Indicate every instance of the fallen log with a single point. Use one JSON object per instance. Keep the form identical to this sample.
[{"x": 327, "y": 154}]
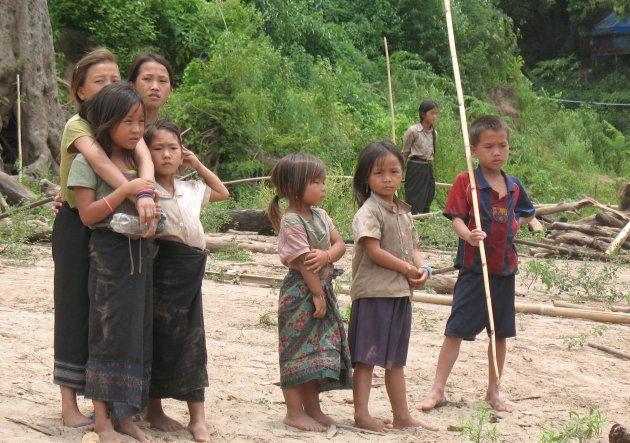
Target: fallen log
[
  {"x": 580, "y": 239},
  {"x": 610, "y": 350},
  {"x": 214, "y": 244},
  {"x": 610, "y": 317},
  {"x": 587, "y": 229},
  {"x": 29, "y": 206},
  {"x": 570, "y": 252},
  {"x": 606, "y": 219},
  {"x": 620, "y": 309},
  {"x": 535, "y": 226},
  {"x": 624, "y": 217},
  {"x": 255, "y": 220},
  {"x": 16, "y": 193},
  {"x": 562, "y": 207},
  {"x": 618, "y": 434},
  {"x": 624, "y": 198},
  {"x": 566, "y": 304}
]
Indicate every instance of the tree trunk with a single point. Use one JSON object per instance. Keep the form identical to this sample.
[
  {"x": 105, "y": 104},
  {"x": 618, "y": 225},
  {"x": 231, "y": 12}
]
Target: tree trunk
[{"x": 26, "y": 47}]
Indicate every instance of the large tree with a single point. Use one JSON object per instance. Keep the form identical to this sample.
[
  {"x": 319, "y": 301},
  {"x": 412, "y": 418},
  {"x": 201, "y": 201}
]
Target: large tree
[{"x": 26, "y": 47}]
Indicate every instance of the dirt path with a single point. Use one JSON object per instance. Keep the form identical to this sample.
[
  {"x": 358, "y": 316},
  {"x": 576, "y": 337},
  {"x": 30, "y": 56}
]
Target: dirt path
[{"x": 543, "y": 379}]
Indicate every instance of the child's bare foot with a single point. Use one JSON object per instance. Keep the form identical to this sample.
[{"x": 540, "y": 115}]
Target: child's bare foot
[
  {"x": 371, "y": 423},
  {"x": 303, "y": 422},
  {"x": 497, "y": 403},
  {"x": 75, "y": 419},
  {"x": 199, "y": 430},
  {"x": 127, "y": 426},
  {"x": 159, "y": 420},
  {"x": 410, "y": 422},
  {"x": 322, "y": 418},
  {"x": 432, "y": 400},
  {"x": 141, "y": 423},
  {"x": 111, "y": 436}
]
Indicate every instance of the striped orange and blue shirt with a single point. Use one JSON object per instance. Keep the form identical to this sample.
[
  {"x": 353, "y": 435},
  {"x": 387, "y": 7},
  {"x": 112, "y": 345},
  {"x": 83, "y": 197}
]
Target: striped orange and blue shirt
[{"x": 499, "y": 220}]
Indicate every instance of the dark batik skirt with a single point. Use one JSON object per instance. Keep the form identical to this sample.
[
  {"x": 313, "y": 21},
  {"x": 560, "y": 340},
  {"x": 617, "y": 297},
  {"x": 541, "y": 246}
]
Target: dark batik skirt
[
  {"x": 179, "y": 340},
  {"x": 419, "y": 186},
  {"x": 70, "y": 242},
  {"x": 379, "y": 331},
  {"x": 310, "y": 348},
  {"x": 121, "y": 313}
]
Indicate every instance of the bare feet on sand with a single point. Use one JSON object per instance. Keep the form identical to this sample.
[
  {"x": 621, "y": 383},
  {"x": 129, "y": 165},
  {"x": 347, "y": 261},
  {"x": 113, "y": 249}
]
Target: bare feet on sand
[
  {"x": 372, "y": 424},
  {"x": 159, "y": 420},
  {"x": 303, "y": 422},
  {"x": 111, "y": 436},
  {"x": 322, "y": 418},
  {"x": 497, "y": 403},
  {"x": 411, "y": 422},
  {"x": 127, "y": 426},
  {"x": 431, "y": 401},
  {"x": 199, "y": 430}
]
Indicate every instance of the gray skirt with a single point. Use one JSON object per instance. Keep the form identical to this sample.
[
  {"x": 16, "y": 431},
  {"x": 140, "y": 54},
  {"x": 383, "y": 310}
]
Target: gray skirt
[{"x": 379, "y": 331}]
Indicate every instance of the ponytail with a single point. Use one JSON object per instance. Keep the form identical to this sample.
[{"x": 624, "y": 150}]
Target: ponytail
[{"x": 274, "y": 212}]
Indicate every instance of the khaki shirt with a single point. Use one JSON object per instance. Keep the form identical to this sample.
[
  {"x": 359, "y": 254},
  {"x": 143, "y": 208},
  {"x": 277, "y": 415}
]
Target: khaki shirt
[
  {"x": 75, "y": 128},
  {"x": 183, "y": 211},
  {"x": 417, "y": 142},
  {"x": 393, "y": 226}
]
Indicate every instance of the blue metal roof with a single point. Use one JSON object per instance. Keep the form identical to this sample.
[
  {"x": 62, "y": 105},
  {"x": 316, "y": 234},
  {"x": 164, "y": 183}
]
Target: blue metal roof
[{"x": 612, "y": 25}]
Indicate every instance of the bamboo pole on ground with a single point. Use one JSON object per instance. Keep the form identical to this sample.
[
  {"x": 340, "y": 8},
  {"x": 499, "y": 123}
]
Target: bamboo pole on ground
[
  {"x": 19, "y": 128},
  {"x": 618, "y": 241},
  {"x": 391, "y": 96},
  {"x": 553, "y": 311},
  {"x": 473, "y": 184}
]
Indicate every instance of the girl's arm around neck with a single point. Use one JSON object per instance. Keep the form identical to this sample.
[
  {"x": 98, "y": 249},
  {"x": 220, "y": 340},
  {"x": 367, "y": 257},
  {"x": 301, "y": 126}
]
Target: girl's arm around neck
[
  {"x": 99, "y": 161},
  {"x": 387, "y": 260},
  {"x": 142, "y": 156},
  {"x": 219, "y": 191},
  {"x": 93, "y": 211}
]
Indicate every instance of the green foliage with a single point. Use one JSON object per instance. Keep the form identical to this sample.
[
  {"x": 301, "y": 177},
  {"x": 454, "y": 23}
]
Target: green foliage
[
  {"x": 345, "y": 315},
  {"x": 17, "y": 231},
  {"x": 576, "y": 428},
  {"x": 552, "y": 69},
  {"x": 267, "y": 320},
  {"x": 579, "y": 281},
  {"x": 477, "y": 427},
  {"x": 436, "y": 231},
  {"x": 580, "y": 340}
]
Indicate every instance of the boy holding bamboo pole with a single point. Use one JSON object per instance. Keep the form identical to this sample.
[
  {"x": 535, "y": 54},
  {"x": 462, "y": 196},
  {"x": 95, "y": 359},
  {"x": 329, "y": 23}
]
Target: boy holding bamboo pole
[{"x": 504, "y": 206}]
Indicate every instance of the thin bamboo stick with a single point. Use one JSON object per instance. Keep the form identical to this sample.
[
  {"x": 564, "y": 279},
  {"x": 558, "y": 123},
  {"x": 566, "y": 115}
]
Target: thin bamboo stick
[
  {"x": 473, "y": 184},
  {"x": 391, "y": 97},
  {"x": 19, "y": 128}
]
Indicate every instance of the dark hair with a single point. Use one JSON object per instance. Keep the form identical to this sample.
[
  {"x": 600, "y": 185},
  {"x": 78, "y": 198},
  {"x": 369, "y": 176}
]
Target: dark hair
[
  {"x": 161, "y": 124},
  {"x": 141, "y": 59},
  {"x": 290, "y": 176},
  {"x": 487, "y": 123},
  {"x": 108, "y": 108},
  {"x": 368, "y": 157},
  {"x": 79, "y": 73},
  {"x": 426, "y": 106}
]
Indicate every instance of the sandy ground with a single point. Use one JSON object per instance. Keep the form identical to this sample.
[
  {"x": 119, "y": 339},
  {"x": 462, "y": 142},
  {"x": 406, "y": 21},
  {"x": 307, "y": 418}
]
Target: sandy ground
[{"x": 543, "y": 380}]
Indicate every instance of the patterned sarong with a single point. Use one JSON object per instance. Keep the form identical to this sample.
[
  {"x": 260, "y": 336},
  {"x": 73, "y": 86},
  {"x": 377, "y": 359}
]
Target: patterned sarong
[{"x": 311, "y": 349}]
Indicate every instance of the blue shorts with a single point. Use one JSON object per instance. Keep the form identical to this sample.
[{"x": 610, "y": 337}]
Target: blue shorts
[{"x": 469, "y": 314}]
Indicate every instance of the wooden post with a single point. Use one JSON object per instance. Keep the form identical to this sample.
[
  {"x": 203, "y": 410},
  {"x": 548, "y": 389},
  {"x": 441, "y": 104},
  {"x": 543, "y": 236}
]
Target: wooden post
[
  {"x": 391, "y": 97},
  {"x": 19, "y": 128},
  {"x": 473, "y": 183}
]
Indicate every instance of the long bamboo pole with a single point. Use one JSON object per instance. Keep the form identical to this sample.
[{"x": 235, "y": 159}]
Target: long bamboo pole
[
  {"x": 391, "y": 96},
  {"x": 19, "y": 127},
  {"x": 473, "y": 183}
]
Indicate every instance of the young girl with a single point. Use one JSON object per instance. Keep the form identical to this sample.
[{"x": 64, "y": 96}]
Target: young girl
[
  {"x": 386, "y": 265},
  {"x": 152, "y": 76},
  {"x": 119, "y": 285},
  {"x": 419, "y": 148},
  {"x": 313, "y": 348},
  {"x": 179, "y": 345},
  {"x": 70, "y": 237}
]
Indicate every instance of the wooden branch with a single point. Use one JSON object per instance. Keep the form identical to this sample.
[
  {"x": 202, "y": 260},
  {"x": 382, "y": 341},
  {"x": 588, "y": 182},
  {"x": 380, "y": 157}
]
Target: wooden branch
[
  {"x": 29, "y": 206},
  {"x": 569, "y": 252},
  {"x": 566, "y": 304},
  {"x": 391, "y": 96},
  {"x": 14, "y": 191},
  {"x": 587, "y": 229},
  {"x": 580, "y": 239},
  {"x": 427, "y": 215},
  {"x": 30, "y": 426},
  {"x": 620, "y": 309},
  {"x": 606, "y": 219},
  {"x": 610, "y": 317},
  {"x": 610, "y": 350},
  {"x": 562, "y": 207},
  {"x": 619, "y": 240},
  {"x": 597, "y": 204},
  {"x": 535, "y": 226}
]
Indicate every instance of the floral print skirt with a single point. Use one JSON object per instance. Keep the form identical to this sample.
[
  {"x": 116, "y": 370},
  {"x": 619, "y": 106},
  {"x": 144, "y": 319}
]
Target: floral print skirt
[{"x": 311, "y": 348}]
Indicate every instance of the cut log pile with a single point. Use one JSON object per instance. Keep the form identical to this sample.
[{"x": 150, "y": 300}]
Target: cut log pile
[{"x": 598, "y": 236}]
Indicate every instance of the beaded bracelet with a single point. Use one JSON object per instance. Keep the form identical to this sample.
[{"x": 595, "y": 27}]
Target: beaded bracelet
[
  {"x": 429, "y": 270},
  {"x": 108, "y": 205}
]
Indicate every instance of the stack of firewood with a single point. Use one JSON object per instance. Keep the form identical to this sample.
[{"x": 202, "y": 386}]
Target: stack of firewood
[{"x": 597, "y": 236}]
